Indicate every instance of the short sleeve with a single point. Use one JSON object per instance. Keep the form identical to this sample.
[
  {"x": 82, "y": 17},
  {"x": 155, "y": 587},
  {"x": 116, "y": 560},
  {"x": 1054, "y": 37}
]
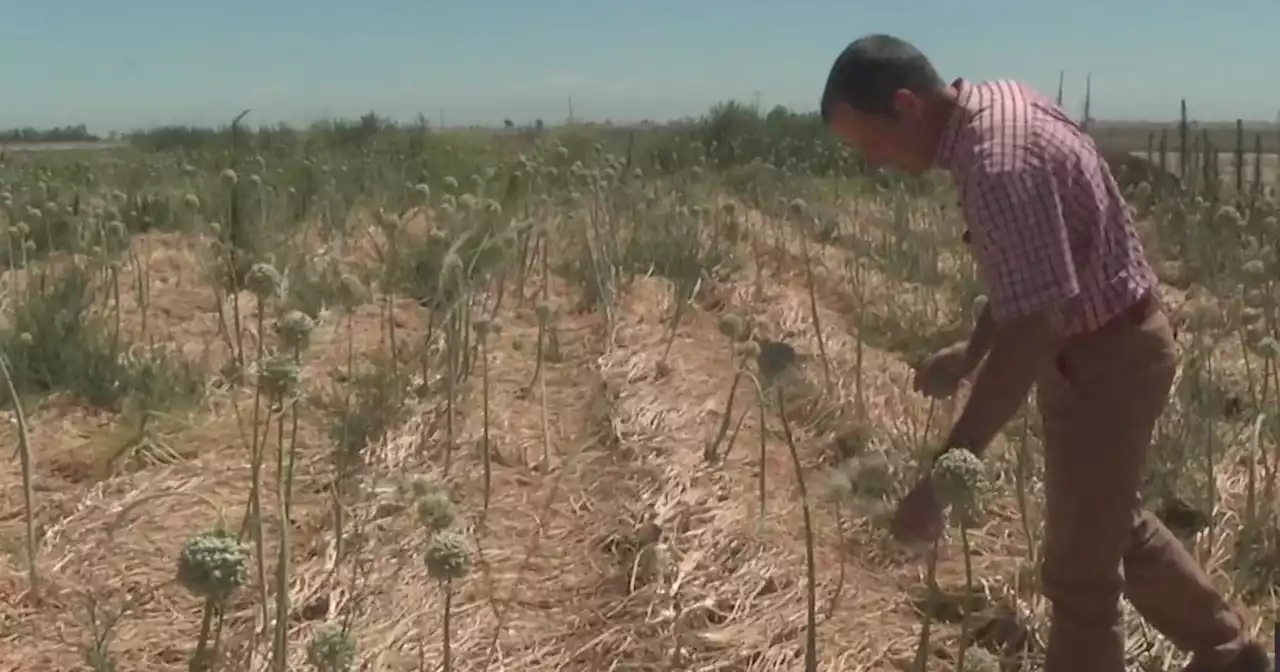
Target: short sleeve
[{"x": 1014, "y": 212}]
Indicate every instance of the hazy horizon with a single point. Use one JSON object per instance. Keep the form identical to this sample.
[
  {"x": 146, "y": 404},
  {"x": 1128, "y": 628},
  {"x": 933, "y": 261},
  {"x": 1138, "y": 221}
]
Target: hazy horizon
[
  {"x": 149, "y": 63},
  {"x": 1250, "y": 125}
]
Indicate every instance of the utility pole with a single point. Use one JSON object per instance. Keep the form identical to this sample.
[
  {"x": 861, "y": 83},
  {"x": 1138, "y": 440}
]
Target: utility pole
[{"x": 570, "y": 109}]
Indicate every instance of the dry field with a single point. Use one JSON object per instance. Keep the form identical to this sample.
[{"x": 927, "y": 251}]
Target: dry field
[
  {"x": 60, "y": 146},
  {"x": 456, "y": 408},
  {"x": 1269, "y": 172}
]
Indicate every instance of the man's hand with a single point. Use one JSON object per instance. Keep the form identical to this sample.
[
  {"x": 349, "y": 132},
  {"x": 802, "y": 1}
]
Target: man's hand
[
  {"x": 919, "y": 516},
  {"x": 940, "y": 374},
  {"x": 1021, "y": 348}
]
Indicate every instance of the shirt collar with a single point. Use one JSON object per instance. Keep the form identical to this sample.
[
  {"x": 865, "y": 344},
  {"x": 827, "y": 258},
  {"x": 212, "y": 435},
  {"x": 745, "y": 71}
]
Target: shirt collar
[{"x": 946, "y": 155}]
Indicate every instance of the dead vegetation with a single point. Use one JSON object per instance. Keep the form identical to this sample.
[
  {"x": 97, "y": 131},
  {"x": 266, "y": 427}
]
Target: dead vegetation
[{"x": 641, "y": 409}]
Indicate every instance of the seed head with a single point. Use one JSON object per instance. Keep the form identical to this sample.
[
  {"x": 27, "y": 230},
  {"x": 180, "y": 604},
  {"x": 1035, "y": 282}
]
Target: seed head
[
  {"x": 960, "y": 479},
  {"x": 544, "y": 312},
  {"x": 350, "y": 291},
  {"x": 448, "y": 556},
  {"x": 451, "y": 183},
  {"x": 295, "y": 329},
  {"x": 732, "y": 326},
  {"x": 423, "y": 192},
  {"x": 1228, "y": 216},
  {"x": 279, "y": 377},
  {"x": 332, "y": 649},
  {"x": 436, "y": 511},
  {"x": 1200, "y": 313},
  {"x": 978, "y": 659},
  {"x": 1269, "y": 347},
  {"x": 212, "y": 565},
  {"x": 797, "y": 207},
  {"x": 191, "y": 201},
  {"x": 264, "y": 281},
  {"x": 451, "y": 269},
  {"x": 1253, "y": 299},
  {"x": 229, "y": 177},
  {"x": 1254, "y": 271}
]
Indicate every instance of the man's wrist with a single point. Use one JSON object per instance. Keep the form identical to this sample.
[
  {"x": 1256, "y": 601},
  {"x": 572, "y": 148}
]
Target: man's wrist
[
  {"x": 973, "y": 354},
  {"x": 982, "y": 337}
]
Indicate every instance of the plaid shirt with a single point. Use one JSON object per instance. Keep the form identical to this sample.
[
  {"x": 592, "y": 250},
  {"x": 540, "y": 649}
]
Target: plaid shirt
[{"x": 1047, "y": 223}]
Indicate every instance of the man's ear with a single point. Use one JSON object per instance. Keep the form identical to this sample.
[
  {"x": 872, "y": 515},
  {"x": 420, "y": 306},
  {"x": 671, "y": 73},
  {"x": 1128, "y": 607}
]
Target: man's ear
[{"x": 907, "y": 104}]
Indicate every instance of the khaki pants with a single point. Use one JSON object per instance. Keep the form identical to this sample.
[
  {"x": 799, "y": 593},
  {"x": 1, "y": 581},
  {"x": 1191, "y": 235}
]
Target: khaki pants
[{"x": 1100, "y": 402}]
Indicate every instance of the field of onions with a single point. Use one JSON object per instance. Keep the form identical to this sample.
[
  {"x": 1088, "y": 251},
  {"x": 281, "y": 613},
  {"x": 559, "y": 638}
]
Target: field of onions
[{"x": 371, "y": 398}]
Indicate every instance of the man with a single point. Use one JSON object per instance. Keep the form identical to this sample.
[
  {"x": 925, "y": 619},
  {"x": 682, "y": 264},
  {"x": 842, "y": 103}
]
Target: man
[{"x": 1072, "y": 309}]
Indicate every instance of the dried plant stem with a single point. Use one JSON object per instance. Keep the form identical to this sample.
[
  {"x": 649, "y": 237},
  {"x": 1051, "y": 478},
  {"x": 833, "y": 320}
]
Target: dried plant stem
[
  {"x": 27, "y": 461},
  {"x": 813, "y": 314},
  {"x": 811, "y": 605},
  {"x": 446, "y": 628},
  {"x": 486, "y": 454},
  {"x": 713, "y": 447},
  {"x": 921, "y": 663},
  {"x": 253, "y": 512},
  {"x": 967, "y": 607}
]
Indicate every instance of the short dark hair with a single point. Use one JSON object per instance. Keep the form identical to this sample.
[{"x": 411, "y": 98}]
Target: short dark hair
[{"x": 871, "y": 69}]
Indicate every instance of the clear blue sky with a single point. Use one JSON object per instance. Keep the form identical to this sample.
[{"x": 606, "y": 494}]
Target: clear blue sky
[{"x": 121, "y": 65}]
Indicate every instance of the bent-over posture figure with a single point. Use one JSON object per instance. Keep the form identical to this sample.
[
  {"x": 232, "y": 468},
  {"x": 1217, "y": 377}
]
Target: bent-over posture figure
[{"x": 1072, "y": 310}]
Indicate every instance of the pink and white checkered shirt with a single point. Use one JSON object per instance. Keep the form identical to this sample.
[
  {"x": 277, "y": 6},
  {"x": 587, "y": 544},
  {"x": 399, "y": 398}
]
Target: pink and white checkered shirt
[{"x": 1047, "y": 222}]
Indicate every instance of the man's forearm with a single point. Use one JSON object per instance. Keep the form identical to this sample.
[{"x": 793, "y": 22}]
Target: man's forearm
[
  {"x": 1016, "y": 353},
  {"x": 982, "y": 337}
]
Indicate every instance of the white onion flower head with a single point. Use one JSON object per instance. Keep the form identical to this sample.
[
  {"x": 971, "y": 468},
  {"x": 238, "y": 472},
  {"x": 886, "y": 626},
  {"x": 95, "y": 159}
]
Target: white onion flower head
[
  {"x": 264, "y": 281},
  {"x": 436, "y": 511},
  {"x": 295, "y": 329},
  {"x": 448, "y": 556},
  {"x": 213, "y": 565},
  {"x": 332, "y": 649},
  {"x": 960, "y": 480}
]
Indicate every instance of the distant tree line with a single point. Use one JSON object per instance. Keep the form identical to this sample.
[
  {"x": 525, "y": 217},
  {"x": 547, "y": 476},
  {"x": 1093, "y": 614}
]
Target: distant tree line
[
  {"x": 729, "y": 134},
  {"x": 29, "y": 135}
]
